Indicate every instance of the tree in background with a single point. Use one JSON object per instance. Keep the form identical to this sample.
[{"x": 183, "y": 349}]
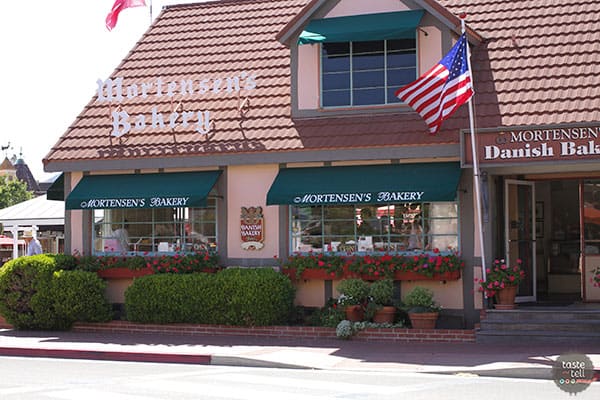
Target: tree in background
[{"x": 13, "y": 192}]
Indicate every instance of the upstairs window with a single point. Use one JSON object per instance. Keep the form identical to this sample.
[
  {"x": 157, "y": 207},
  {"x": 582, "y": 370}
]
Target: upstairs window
[{"x": 364, "y": 73}]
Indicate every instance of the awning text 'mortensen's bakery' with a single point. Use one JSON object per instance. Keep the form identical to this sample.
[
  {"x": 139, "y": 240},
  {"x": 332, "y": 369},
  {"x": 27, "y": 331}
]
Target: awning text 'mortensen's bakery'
[{"x": 528, "y": 145}]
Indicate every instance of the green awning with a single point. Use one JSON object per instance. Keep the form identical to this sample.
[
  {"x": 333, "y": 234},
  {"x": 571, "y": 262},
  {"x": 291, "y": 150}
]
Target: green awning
[
  {"x": 369, "y": 184},
  {"x": 56, "y": 191},
  {"x": 181, "y": 189},
  {"x": 393, "y": 25}
]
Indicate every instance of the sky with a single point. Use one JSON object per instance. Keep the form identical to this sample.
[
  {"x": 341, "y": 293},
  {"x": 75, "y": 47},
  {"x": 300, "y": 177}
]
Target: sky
[{"x": 53, "y": 52}]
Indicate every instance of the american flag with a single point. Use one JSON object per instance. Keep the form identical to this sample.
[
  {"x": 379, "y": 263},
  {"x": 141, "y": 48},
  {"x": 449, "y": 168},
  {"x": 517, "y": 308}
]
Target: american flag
[
  {"x": 444, "y": 88},
  {"x": 120, "y": 5}
]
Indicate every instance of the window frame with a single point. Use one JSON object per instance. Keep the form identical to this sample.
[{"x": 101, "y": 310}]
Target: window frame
[
  {"x": 424, "y": 236},
  {"x": 351, "y": 72},
  {"x": 156, "y": 220}
]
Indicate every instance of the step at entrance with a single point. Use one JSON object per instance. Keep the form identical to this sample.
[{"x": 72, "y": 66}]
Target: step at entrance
[{"x": 540, "y": 325}]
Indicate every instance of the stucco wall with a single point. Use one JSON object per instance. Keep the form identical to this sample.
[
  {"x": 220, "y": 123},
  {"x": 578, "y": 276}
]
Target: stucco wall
[
  {"x": 354, "y": 7},
  {"x": 247, "y": 186},
  {"x": 76, "y": 221}
]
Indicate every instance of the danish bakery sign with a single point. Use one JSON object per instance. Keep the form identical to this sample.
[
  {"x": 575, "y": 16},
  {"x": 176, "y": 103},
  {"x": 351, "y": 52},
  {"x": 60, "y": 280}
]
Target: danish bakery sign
[
  {"x": 535, "y": 144},
  {"x": 117, "y": 91}
]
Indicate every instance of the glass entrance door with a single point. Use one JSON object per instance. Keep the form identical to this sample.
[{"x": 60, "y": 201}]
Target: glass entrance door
[{"x": 519, "y": 228}]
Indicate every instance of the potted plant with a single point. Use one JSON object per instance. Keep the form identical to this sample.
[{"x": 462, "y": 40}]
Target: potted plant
[
  {"x": 421, "y": 307},
  {"x": 501, "y": 282},
  {"x": 381, "y": 293},
  {"x": 353, "y": 296}
]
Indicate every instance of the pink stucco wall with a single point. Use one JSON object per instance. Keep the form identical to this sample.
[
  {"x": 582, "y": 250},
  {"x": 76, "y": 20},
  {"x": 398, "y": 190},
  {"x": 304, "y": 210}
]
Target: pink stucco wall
[{"x": 247, "y": 187}]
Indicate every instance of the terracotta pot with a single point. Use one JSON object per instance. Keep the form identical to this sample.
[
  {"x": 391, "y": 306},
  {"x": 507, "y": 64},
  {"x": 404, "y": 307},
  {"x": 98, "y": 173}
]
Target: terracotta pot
[
  {"x": 423, "y": 320},
  {"x": 385, "y": 315},
  {"x": 505, "y": 298},
  {"x": 355, "y": 313}
]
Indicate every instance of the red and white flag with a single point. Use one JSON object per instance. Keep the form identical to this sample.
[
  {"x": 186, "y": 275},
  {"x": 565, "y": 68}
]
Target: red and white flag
[
  {"x": 120, "y": 5},
  {"x": 444, "y": 88}
]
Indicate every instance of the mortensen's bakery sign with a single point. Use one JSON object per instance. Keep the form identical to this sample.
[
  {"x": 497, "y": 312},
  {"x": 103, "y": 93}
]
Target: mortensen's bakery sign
[
  {"x": 116, "y": 91},
  {"x": 530, "y": 144}
]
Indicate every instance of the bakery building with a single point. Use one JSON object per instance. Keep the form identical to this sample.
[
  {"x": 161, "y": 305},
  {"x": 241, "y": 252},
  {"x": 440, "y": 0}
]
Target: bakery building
[{"x": 281, "y": 134}]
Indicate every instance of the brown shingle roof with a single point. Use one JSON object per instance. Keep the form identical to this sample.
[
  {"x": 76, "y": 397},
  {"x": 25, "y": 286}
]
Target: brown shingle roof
[{"x": 538, "y": 65}]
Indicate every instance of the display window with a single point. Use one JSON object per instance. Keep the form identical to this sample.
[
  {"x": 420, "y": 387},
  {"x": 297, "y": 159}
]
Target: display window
[{"x": 391, "y": 228}]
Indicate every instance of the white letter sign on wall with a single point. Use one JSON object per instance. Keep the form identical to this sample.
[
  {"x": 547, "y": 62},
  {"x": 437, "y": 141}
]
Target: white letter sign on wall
[{"x": 117, "y": 90}]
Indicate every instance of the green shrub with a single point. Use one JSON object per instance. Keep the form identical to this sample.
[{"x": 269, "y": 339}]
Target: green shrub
[
  {"x": 22, "y": 281},
  {"x": 34, "y": 294},
  {"x": 170, "y": 298},
  {"x": 382, "y": 292},
  {"x": 79, "y": 296},
  {"x": 353, "y": 291},
  {"x": 420, "y": 300},
  {"x": 238, "y": 296},
  {"x": 254, "y": 296},
  {"x": 329, "y": 315},
  {"x": 64, "y": 261}
]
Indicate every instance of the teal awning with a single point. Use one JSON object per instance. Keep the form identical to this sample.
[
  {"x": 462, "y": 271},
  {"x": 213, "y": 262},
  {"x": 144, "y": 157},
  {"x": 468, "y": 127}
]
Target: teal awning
[
  {"x": 56, "y": 191},
  {"x": 393, "y": 25},
  {"x": 181, "y": 189},
  {"x": 370, "y": 184}
]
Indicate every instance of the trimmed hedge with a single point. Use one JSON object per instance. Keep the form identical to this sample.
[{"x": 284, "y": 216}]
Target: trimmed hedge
[
  {"x": 235, "y": 296},
  {"x": 36, "y": 294}
]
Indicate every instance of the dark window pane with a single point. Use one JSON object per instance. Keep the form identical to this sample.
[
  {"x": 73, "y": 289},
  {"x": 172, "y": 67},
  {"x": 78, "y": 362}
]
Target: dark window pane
[
  {"x": 368, "y": 79},
  {"x": 368, "y": 96},
  {"x": 368, "y": 61},
  {"x": 336, "y": 98},
  {"x": 391, "y": 96},
  {"x": 400, "y": 77},
  {"x": 336, "y": 48},
  {"x": 367, "y": 47},
  {"x": 401, "y": 44},
  {"x": 395, "y": 60},
  {"x": 336, "y": 81},
  {"x": 336, "y": 64}
]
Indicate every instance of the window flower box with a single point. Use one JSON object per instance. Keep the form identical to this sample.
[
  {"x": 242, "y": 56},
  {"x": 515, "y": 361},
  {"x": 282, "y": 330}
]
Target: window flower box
[
  {"x": 323, "y": 274},
  {"x": 406, "y": 267}
]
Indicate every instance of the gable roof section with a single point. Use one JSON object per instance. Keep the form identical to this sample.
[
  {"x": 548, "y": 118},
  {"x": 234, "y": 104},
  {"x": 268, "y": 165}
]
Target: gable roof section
[
  {"x": 221, "y": 39},
  {"x": 433, "y": 7},
  {"x": 537, "y": 65}
]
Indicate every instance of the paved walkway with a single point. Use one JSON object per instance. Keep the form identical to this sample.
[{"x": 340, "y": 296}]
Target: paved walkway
[{"x": 525, "y": 361}]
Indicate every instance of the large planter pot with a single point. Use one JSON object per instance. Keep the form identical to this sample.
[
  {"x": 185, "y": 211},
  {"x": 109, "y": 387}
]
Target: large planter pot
[
  {"x": 4, "y": 324},
  {"x": 505, "y": 298},
  {"x": 385, "y": 315},
  {"x": 355, "y": 313},
  {"x": 423, "y": 320},
  {"x": 123, "y": 273}
]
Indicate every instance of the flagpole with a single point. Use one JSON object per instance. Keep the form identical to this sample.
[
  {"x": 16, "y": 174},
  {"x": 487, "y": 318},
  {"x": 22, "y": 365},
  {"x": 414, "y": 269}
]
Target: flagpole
[
  {"x": 476, "y": 172},
  {"x": 150, "y": 12}
]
